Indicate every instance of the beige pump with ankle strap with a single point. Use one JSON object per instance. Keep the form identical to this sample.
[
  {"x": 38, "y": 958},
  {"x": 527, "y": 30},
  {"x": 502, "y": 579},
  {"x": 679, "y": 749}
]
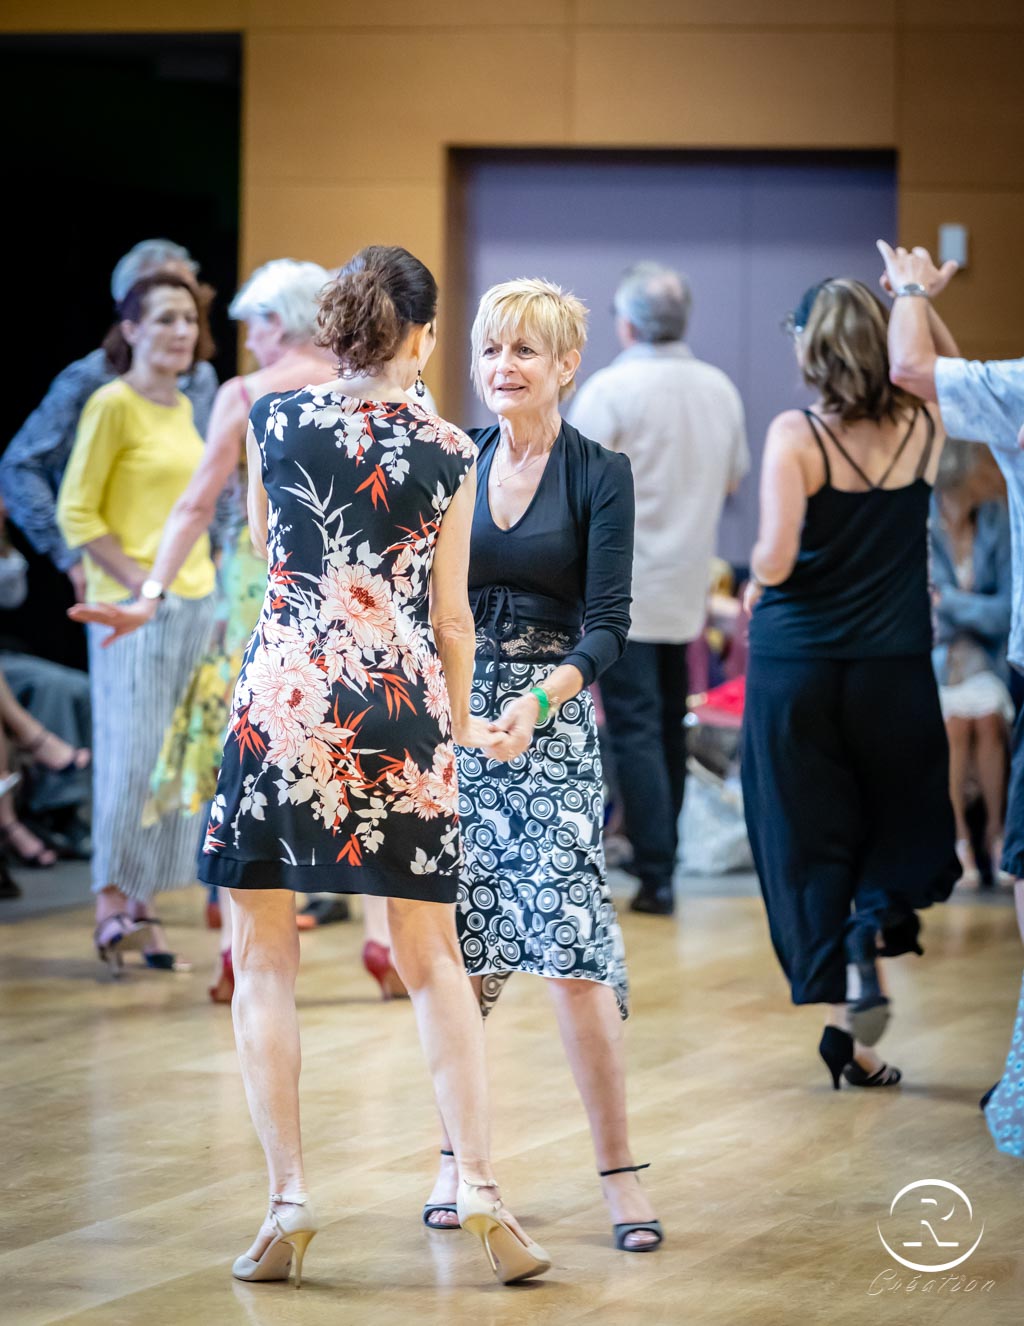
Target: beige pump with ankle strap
[{"x": 294, "y": 1232}]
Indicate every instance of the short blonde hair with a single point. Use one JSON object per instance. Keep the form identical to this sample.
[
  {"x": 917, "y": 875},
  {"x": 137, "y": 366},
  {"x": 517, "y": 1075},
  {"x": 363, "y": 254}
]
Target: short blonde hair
[
  {"x": 845, "y": 355},
  {"x": 536, "y": 310}
]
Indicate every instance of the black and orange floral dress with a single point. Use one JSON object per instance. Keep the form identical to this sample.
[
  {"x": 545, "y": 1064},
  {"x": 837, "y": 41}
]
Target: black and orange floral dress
[{"x": 339, "y": 774}]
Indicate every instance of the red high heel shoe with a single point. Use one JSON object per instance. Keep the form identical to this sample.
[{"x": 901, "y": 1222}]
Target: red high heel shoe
[
  {"x": 377, "y": 961},
  {"x": 223, "y": 991}
]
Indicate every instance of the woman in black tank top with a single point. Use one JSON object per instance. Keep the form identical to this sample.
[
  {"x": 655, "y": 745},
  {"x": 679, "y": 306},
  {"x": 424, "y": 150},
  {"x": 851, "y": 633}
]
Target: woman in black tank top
[{"x": 845, "y": 763}]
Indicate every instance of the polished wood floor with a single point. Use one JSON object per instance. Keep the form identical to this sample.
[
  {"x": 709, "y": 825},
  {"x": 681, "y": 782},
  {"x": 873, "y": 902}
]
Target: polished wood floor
[{"x": 131, "y": 1177}]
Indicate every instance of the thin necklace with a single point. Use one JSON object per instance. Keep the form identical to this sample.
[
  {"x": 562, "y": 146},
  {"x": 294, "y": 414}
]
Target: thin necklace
[{"x": 499, "y": 480}]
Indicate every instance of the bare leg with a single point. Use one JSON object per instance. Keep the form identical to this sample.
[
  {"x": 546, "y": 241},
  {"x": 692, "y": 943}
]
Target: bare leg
[
  {"x": 838, "y": 1016},
  {"x": 375, "y": 920},
  {"x": 591, "y": 1030},
  {"x": 451, "y": 1029},
  {"x": 222, "y": 989},
  {"x": 447, "y": 1182},
  {"x": 266, "y": 958},
  {"x": 958, "y": 731},
  {"x": 47, "y": 749},
  {"x": 21, "y": 840},
  {"x": 990, "y": 761}
]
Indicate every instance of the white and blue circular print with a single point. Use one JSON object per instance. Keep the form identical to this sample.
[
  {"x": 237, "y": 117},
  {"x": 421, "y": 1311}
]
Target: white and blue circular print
[{"x": 533, "y": 895}]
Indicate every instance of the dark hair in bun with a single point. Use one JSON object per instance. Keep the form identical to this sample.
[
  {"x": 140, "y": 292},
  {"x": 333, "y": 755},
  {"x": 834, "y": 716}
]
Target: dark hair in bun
[{"x": 365, "y": 314}]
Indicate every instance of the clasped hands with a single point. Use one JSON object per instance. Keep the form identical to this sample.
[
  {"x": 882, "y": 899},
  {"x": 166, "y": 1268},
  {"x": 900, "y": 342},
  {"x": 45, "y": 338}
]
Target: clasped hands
[{"x": 508, "y": 735}]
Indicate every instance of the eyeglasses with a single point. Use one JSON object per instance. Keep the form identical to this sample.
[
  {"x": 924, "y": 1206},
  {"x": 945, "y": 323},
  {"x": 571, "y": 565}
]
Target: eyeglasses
[{"x": 790, "y": 325}]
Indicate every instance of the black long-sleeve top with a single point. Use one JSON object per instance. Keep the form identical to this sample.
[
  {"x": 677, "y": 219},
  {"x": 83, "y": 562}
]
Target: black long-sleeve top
[{"x": 566, "y": 565}]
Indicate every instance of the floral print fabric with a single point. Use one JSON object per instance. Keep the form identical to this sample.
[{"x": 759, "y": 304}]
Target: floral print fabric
[
  {"x": 339, "y": 774},
  {"x": 185, "y": 777}
]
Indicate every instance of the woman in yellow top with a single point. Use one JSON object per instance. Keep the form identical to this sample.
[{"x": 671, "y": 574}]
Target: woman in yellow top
[{"x": 135, "y": 451}]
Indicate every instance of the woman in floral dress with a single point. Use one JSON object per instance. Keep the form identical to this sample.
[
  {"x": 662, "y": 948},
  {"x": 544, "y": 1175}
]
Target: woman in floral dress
[{"x": 339, "y": 769}]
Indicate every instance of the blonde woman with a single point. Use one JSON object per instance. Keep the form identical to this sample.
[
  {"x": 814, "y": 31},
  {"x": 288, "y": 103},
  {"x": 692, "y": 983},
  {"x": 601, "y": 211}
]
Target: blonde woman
[
  {"x": 845, "y": 762},
  {"x": 549, "y": 579}
]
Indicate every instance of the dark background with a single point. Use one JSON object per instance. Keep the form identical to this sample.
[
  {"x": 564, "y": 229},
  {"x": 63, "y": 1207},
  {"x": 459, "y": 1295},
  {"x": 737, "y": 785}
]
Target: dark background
[{"x": 108, "y": 140}]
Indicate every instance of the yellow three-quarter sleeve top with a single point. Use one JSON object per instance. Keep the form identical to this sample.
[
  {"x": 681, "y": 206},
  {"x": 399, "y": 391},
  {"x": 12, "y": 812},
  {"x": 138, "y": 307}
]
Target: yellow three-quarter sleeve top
[{"x": 131, "y": 461}]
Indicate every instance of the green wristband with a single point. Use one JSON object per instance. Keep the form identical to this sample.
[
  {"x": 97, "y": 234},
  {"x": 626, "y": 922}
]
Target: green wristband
[{"x": 543, "y": 702}]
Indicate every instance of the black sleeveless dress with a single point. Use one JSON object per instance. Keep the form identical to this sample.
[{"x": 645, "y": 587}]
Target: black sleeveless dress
[
  {"x": 339, "y": 773},
  {"x": 845, "y": 766}
]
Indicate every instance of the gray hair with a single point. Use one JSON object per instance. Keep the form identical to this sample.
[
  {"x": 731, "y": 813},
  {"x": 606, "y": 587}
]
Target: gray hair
[
  {"x": 287, "y": 289},
  {"x": 655, "y": 301},
  {"x": 142, "y": 259}
]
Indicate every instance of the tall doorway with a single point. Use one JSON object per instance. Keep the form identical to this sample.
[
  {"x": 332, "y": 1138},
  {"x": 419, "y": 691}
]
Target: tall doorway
[{"x": 751, "y": 230}]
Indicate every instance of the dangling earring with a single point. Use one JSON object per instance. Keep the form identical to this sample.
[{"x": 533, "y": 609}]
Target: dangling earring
[{"x": 420, "y": 386}]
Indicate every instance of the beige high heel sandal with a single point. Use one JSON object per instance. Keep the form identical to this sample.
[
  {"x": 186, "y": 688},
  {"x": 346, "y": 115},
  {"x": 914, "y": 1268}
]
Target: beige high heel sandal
[
  {"x": 511, "y": 1259},
  {"x": 295, "y": 1230}
]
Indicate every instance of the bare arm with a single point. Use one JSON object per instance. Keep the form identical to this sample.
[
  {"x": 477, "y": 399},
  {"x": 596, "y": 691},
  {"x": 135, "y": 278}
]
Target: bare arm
[
  {"x": 783, "y": 501},
  {"x": 256, "y": 502},
  {"x": 107, "y": 553},
  {"x": 917, "y": 336},
  {"x": 452, "y": 620},
  {"x": 193, "y": 513},
  {"x": 190, "y": 517}
]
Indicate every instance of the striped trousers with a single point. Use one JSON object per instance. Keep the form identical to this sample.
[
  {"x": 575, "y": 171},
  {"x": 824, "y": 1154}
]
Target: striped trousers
[{"x": 136, "y": 685}]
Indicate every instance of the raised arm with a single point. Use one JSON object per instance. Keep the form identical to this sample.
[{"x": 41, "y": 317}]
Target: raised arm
[{"x": 917, "y": 335}]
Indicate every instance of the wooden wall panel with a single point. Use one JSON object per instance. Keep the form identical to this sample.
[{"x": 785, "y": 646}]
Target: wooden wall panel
[
  {"x": 715, "y": 89},
  {"x": 961, "y": 109},
  {"x": 738, "y": 13},
  {"x": 984, "y": 304},
  {"x": 359, "y": 108},
  {"x": 407, "y": 14},
  {"x": 963, "y": 14},
  {"x": 123, "y": 15},
  {"x": 350, "y": 107},
  {"x": 327, "y": 223}
]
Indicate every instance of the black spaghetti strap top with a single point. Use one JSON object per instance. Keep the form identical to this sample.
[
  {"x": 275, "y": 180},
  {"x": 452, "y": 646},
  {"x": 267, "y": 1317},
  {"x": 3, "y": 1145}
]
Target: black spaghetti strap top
[{"x": 859, "y": 588}]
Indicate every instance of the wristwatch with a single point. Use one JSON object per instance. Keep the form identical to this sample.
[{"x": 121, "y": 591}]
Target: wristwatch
[
  {"x": 152, "y": 589},
  {"x": 912, "y": 288}
]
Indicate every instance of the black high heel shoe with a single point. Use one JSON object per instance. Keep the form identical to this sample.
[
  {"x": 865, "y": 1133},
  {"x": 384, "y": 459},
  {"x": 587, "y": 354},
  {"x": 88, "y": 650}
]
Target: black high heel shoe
[
  {"x": 869, "y": 1013},
  {"x": 836, "y": 1048},
  {"x": 622, "y": 1231},
  {"x": 434, "y": 1208}
]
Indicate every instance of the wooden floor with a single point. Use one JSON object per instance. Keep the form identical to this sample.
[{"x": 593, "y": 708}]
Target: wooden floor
[{"x": 131, "y": 1177}]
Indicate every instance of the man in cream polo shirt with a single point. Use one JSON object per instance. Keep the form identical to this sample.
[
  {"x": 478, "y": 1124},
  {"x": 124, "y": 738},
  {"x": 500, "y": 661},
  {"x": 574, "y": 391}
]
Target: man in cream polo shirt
[{"x": 680, "y": 422}]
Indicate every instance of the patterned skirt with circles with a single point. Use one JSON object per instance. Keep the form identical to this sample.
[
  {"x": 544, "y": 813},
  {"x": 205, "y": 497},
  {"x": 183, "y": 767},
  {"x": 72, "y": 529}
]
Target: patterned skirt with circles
[{"x": 533, "y": 895}]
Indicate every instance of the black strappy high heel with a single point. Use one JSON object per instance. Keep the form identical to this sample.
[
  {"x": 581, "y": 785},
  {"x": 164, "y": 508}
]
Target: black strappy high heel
[
  {"x": 622, "y": 1231},
  {"x": 886, "y": 1076},
  {"x": 836, "y": 1048},
  {"x": 430, "y": 1207}
]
